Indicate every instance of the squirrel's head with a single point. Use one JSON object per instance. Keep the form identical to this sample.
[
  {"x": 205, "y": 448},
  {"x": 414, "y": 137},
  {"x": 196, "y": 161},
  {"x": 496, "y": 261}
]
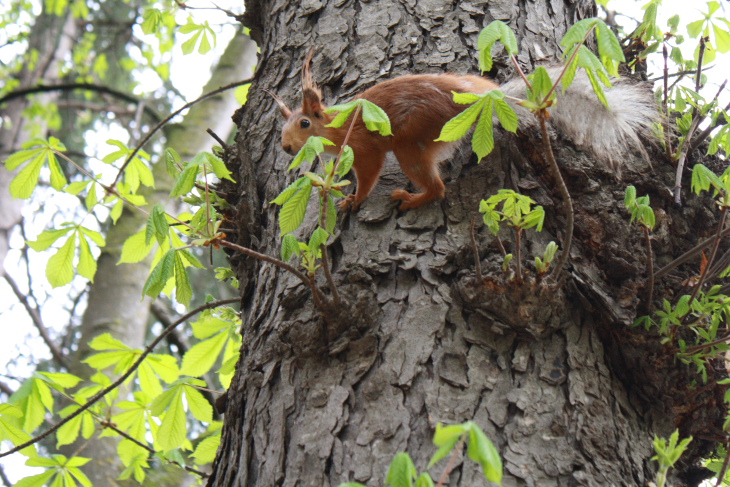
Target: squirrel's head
[{"x": 306, "y": 121}]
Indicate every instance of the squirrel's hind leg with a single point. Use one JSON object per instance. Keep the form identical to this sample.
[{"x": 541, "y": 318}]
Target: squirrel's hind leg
[{"x": 419, "y": 163}]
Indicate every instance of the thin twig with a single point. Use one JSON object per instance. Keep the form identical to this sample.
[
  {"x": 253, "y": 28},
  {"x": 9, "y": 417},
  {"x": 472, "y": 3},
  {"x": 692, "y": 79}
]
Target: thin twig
[
  {"x": 452, "y": 461},
  {"x": 567, "y": 201},
  {"x": 477, "y": 260},
  {"x": 326, "y": 266},
  {"x": 170, "y": 117},
  {"x": 22, "y": 92},
  {"x": 706, "y": 132},
  {"x": 665, "y": 105},
  {"x": 111, "y": 426},
  {"x": 649, "y": 270},
  {"x": 687, "y": 256},
  {"x": 723, "y": 470},
  {"x": 217, "y": 139},
  {"x": 35, "y": 316},
  {"x": 123, "y": 377},
  {"x": 693, "y": 126},
  {"x": 703, "y": 275},
  {"x": 316, "y": 293}
]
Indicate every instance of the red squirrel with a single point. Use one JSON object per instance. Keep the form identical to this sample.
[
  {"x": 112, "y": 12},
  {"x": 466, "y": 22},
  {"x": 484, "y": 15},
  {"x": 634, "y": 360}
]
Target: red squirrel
[{"x": 419, "y": 105}]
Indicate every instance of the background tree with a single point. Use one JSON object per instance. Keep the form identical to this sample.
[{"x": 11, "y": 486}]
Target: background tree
[{"x": 104, "y": 38}]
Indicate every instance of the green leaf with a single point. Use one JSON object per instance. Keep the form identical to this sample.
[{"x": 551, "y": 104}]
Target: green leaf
[
  {"x": 60, "y": 269},
  {"x": 289, "y": 247},
  {"x": 206, "y": 450},
  {"x": 343, "y": 113},
  {"x": 331, "y": 215},
  {"x": 483, "y": 140},
  {"x": 36, "y": 480},
  {"x": 135, "y": 248},
  {"x": 199, "y": 406},
  {"x": 25, "y": 182},
  {"x": 310, "y": 150},
  {"x": 47, "y": 238},
  {"x": 496, "y": 30},
  {"x": 482, "y": 451},
  {"x": 375, "y": 118},
  {"x": 157, "y": 225},
  {"x": 162, "y": 272},
  {"x": 185, "y": 181},
  {"x": 506, "y": 115},
  {"x": 630, "y": 196},
  {"x": 219, "y": 168},
  {"x": 292, "y": 212},
  {"x": 87, "y": 262},
  {"x": 152, "y": 19},
  {"x": 346, "y": 161},
  {"x": 202, "y": 356},
  {"x": 183, "y": 291},
  {"x": 694, "y": 29},
  {"x": 578, "y": 32},
  {"x": 458, "y": 126},
  {"x": 289, "y": 191},
  {"x": 402, "y": 472},
  {"x": 446, "y": 438},
  {"x": 173, "y": 430}
]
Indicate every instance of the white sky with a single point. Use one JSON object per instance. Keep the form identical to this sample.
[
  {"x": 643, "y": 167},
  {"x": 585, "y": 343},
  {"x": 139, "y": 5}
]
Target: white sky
[{"x": 20, "y": 339}]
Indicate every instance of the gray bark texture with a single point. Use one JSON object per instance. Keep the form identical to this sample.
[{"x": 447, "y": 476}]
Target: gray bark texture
[{"x": 569, "y": 393}]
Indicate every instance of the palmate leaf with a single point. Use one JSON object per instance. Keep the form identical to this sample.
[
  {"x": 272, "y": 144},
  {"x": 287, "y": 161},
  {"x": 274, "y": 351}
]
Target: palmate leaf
[
  {"x": 483, "y": 140},
  {"x": 60, "y": 269},
  {"x": 292, "y": 212},
  {"x": 202, "y": 356},
  {"x": 163, "y": 271},
  {"x": 206, "y": 450},
  {"x": 401, "y": 472},
  {"x": 482, "y": 451},
  {"x": 458, "y": 126},
  {"x": 173, "y": 429},
  {"x": 38, "y": 152}
]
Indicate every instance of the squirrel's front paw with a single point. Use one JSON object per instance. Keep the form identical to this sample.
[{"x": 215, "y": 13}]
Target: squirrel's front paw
[{"x": 349, "y": 203}]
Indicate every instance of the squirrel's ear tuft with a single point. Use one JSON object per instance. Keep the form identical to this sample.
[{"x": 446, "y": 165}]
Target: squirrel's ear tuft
[
  {"x": 312, "y": 102},
  {"x": 282, "y": 106},
  {"x": 311, "y": 95}
]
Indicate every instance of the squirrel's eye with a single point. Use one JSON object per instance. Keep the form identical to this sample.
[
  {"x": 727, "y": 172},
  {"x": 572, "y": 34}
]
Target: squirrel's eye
[{"x": 305, "y": 123}]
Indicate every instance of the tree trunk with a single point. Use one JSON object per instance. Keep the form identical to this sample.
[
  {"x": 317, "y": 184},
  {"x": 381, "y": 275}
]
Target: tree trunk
[{"x": 567, "y": 391}]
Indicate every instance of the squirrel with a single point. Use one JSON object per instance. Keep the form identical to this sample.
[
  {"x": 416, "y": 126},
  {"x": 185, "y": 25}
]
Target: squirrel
[{"x": 419, "y": 105}]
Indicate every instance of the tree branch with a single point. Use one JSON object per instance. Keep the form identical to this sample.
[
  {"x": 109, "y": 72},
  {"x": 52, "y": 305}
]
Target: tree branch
[
  {"x": 77, "y": 86},
  {"x": 121, "y": 378},
  {"x": 164, "y": 122},
  {"x": 35, "y": 316}
]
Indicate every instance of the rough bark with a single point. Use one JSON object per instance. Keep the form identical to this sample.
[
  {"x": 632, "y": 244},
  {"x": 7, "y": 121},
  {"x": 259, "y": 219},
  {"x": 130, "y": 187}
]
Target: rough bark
[{"x": 569, "y": 393}]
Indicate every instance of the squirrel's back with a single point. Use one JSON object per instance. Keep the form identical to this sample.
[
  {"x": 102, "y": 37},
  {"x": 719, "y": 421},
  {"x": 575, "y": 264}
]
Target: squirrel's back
[{"x": 419, "y": 105}]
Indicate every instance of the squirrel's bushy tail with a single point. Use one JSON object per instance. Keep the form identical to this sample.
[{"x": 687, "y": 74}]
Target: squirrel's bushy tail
[{"x": 610, "y": 134}]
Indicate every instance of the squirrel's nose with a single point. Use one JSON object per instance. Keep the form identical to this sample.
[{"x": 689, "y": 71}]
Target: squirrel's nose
[{"x": 287, "y": 148}]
